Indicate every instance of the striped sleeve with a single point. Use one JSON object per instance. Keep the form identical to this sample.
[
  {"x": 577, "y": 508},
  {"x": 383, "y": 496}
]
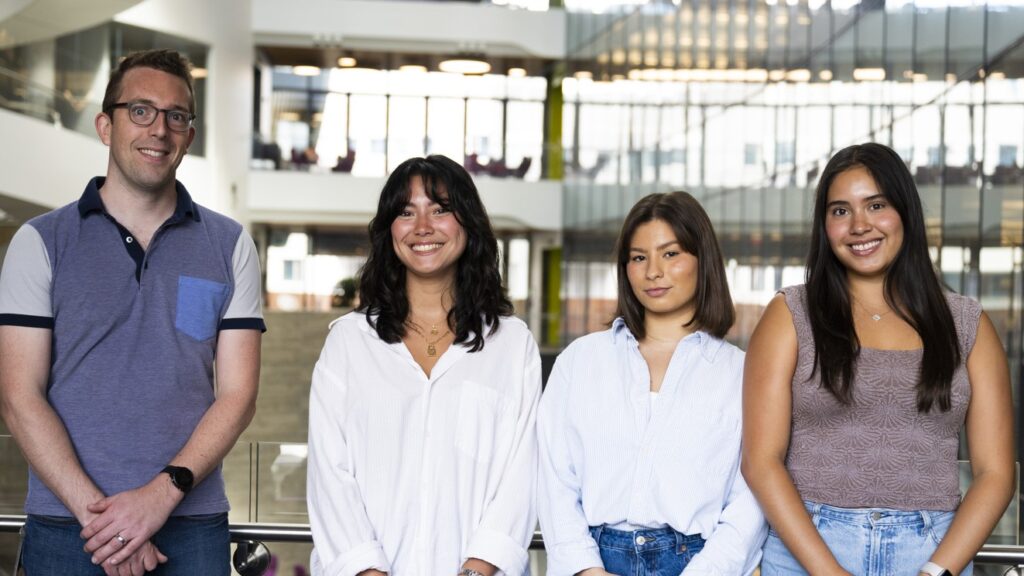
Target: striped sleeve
[
  {"x": 25, "y": 298},
  {"x": 245, "y": 311}
]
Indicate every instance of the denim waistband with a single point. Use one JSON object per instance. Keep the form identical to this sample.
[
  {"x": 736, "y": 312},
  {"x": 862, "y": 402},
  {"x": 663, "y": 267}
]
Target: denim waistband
[
  {"x": 868, "y": 517},
  {"x": 641, "y": 540}
]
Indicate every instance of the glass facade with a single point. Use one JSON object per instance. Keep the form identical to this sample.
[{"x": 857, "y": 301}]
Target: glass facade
[{"x": 741, "y": 103}]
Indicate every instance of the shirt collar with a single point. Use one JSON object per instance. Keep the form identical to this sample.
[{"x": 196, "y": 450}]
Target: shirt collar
[
  {"x": 91, "y": 201},
  {"x": 709, "y": 345}
]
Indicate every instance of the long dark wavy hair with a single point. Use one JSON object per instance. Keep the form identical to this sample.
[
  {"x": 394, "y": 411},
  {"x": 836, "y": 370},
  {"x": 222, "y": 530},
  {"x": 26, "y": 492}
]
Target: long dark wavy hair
[
  {"x": 479, "y": 299},
  {"x": 713, "y": 309},
  {"x": 912, "y": 287}
]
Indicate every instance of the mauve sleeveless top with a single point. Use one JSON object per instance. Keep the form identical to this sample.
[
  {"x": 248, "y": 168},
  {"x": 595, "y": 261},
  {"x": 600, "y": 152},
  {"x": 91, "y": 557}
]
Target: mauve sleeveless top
[{"x": 878, "y": 452}]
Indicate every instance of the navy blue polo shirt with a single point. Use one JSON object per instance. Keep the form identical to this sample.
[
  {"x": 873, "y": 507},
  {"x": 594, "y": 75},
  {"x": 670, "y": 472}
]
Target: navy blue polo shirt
[{"x": 134, "y": 333}]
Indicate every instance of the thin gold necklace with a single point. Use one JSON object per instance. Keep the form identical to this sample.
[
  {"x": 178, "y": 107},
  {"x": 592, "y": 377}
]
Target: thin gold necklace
[{"x": 431, "y": 346}]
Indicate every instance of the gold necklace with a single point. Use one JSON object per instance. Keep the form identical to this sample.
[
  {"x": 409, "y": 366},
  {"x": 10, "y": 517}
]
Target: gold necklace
[{"x": 431, "y": 346}]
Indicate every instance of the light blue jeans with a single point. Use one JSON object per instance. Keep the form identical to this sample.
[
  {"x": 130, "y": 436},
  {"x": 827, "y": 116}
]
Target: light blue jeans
[{"x": 866, "y": 541}]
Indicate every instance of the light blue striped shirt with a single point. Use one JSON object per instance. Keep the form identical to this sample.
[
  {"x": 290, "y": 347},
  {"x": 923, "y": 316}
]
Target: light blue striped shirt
[{"x": 611, "y": 456}]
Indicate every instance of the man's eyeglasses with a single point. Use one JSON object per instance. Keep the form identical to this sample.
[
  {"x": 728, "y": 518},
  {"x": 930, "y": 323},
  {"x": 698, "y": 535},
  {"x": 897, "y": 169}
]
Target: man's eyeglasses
[{"x": 144, "y": 114}]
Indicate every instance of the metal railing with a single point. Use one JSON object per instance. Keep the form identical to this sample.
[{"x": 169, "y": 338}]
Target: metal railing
[{"x": 252, "y": 556}]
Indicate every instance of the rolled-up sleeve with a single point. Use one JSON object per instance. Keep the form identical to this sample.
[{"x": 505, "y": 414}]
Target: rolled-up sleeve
[
  {"x": 570, "y": 548},
  {"x": 506, "y": 529},
  {"x": 344, "y": 539}
]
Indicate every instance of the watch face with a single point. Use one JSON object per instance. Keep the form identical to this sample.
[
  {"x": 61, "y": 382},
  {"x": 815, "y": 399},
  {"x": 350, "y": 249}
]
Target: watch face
[{"x": 183, "y": 478}]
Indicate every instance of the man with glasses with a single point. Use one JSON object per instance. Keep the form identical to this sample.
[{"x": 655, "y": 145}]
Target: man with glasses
[{"x": 116, "y": 312}]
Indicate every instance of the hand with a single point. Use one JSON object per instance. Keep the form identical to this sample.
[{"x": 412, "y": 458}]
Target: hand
[
  {"x": 594, "y": 572},
  {"x": 135, "y": 515},
  {"x": 144, "y": 560}
]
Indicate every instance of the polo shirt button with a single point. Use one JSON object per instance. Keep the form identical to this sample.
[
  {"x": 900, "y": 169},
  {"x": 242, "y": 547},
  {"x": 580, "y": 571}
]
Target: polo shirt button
[{"x": 128, "y": 239}]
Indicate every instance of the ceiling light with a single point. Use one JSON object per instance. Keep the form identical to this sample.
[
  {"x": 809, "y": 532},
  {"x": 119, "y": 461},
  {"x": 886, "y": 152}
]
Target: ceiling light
[
  {"x": 997, "y": 76},
  {"x": 584, "y": 75},
  {"x": 869, "y": 74},
  {"x": 465, "y": 65},
  {"x": 416, "y": 68},
  {"x": 305, "y": 70},
  {"x": 198, "y": 73},
  {"x": 517, "y": 72},
  {"x": 799, "y": 75},
  {"x": 825, "y": 75},
  {"x": 347, "y": 62}
]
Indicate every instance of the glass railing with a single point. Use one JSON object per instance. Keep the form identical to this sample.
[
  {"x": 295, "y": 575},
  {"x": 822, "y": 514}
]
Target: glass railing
[
  {"x": 266, "y": 484},
  {"x": 21, "y": 94}
]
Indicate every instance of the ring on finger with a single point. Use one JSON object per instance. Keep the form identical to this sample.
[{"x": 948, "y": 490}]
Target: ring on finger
[{"x": 121, "y": 540}]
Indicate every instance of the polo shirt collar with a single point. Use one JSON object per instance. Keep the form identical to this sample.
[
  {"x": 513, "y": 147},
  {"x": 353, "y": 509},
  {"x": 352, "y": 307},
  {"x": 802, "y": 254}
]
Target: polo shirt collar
[
  {"x": 91, "y": 201},
  {"x": 709, "y": 345}
]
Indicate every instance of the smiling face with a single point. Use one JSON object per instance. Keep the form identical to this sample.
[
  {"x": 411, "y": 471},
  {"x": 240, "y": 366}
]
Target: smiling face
[
  {"x": 863, "y": 228},
  {"x": 145, "y": 158},
  {"x": 427, "y": 237},
  {"x": 661, "y": 273}
]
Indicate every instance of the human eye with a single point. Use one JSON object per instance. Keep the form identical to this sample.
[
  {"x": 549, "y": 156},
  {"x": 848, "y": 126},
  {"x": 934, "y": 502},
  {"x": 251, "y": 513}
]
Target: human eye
[
  {"x": 140, "y": 110},
  {"x": 670, "y": 254},
  {"x": 442, "y": 210},
  {"x": 879, "y": 205},
  {"x": 637, "y": 258},
  {"x": 839, "y": 212},
  {"x": 177, "y": 116}
]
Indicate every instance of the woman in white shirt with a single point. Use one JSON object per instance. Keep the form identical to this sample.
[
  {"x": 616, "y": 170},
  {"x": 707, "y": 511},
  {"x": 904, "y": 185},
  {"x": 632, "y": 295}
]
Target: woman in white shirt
[
  {"x": 422, "y": 447},
  {"x": 639, "y": 428}
]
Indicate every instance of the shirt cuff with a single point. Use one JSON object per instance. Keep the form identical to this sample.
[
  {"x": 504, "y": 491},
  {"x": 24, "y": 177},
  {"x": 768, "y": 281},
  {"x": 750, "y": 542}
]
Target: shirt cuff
[
  {"x": 570, "y": 559},
  {"x": 368, "y": 556},
  {"x": 500, "y": 550}
]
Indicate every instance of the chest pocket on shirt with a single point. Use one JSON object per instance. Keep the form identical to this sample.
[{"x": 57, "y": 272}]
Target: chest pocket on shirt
[
  {"x": 199, "y": 304},
  {"x": 480, "y": 418}
]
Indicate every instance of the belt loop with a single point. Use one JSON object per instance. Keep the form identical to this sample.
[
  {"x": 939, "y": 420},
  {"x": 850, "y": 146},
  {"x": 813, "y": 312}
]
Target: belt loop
[
  {"x": 926, "y": 518},
  {"x": 597, "y": 535}
]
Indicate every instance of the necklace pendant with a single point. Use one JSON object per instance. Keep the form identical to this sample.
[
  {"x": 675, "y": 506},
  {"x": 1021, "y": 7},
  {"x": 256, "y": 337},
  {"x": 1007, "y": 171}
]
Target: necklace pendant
[
  {"x": 433, "y": 329},
  {"x": 431, "y": 350},
  {"x": 876, "y": 317}
]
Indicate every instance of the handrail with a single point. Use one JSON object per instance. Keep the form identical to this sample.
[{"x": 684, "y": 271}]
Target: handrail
[{"x": 262, "y": 532}]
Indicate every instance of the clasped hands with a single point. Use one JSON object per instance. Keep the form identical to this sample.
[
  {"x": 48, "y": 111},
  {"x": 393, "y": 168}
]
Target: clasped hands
[{"x": 119, "y": 527}]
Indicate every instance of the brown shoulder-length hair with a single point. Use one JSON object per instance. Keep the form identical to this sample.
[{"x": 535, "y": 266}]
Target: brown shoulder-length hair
[{"x": 713, "y": 310}]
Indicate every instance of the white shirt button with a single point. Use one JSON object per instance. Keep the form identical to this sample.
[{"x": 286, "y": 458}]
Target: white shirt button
[{"x": 640, "y": 540}]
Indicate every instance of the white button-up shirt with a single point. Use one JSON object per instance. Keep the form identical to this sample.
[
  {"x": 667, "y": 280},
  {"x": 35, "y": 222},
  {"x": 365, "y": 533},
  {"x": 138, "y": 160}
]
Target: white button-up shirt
[
  {"x": 609, "y": 455},
  {"x": 411, "y": 475}
]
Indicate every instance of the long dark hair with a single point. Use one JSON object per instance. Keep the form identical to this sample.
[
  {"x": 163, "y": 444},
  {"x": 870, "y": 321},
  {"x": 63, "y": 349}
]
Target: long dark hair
[
  {"x": 912, "y": 288},
  {"x": 713, "y": 310},
  {"x": 479, "y": 297}
]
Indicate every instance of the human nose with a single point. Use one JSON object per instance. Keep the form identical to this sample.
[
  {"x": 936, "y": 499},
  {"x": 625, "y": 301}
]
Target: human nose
[
  {"x": 861, "y": 222},
  {"x": 653, "y": 269},
  {"x": 159, "y": 126},
  {"x": 423, "y": 224}
]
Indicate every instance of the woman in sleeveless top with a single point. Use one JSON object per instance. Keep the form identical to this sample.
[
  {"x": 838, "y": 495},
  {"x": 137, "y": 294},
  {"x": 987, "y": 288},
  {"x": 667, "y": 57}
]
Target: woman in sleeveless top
[
  {"x": 639, "y": 427},
  {"x": 856, "y": 387},
  {"x": 422, "y": 438}
]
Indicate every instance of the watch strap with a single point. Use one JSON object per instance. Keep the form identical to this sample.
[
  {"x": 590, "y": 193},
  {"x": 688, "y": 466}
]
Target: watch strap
[{"x": 933, "y": 569}]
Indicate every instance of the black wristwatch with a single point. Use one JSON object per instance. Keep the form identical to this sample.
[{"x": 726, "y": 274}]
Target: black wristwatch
[{"x": 181, "y": 477}]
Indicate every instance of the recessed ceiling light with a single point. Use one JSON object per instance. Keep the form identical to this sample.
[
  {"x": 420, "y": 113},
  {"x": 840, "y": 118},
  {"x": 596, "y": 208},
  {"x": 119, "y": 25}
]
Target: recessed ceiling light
[
  {"x": 465, "y": 65},
  {"x": 305, "y": 70},
  {"x": 412, "y": 68},
  {"x": 517, "y": 72},
  {"x": 199, "y": 73},
  {"x": 346, "y": 62}
]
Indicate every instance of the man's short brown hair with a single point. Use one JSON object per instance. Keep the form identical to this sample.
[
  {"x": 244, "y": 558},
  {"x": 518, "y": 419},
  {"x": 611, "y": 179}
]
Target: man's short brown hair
[{"x": 168, "y": 61}]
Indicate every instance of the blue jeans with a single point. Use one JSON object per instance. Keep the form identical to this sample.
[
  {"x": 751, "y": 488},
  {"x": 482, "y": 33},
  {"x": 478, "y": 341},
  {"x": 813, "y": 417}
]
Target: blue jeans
[
  {"x": 867, "y": 541},
  {"x": 193, "y": 545},
  {"x": 657, "y": 552}
]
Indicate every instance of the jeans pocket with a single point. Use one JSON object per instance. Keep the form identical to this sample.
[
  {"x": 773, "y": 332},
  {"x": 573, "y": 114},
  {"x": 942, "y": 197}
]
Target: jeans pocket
[
  {"x": 199, "y": 306},
  {"x": 939, "y": 525}
]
